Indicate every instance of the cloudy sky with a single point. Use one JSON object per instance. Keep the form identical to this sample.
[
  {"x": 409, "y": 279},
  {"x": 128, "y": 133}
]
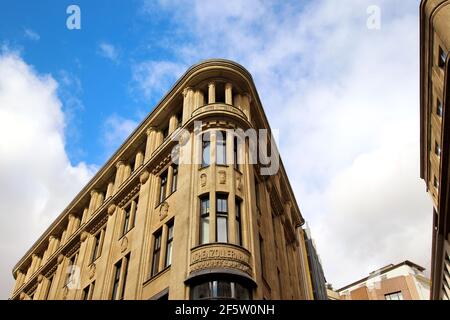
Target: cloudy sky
[{"x": 344, "y": 96}]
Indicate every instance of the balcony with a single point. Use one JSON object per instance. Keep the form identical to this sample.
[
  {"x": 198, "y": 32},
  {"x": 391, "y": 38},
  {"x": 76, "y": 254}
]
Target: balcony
[{"x": 222, "y": 107}]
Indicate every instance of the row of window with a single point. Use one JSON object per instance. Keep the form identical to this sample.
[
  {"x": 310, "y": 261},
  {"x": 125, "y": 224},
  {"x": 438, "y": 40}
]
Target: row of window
[
  {"x": 221, "y": 219},
  {"x": 221, "y": 149}
]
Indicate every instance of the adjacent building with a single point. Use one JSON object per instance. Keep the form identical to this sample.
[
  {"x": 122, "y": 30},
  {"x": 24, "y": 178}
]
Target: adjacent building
[
  {"x": 182, "y": 210},
  {"x": 435, "y": 133},
  {"x": 317, "y": 275},
  {"x": 404, "y": 281}
]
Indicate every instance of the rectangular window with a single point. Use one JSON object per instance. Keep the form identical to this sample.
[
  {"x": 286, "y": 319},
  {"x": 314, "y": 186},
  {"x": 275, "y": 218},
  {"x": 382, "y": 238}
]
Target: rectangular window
[
  {"x": 204, "y": 220},
  {"x": 120, "y": 278},
  {"x": 163, "y": 187},
  {"x": 116, "y": 281},
  {"x": 169, "y": 246},
  {"x": 437, "y": 149},
  {"x": 442, "y": 57},
  {"x": 222, "y": 218},
  {"x": 439, "y": 108},
  {"x": 70, "y": 279},
  {"x": 206, "y": 143},
  {"x": 262, "y": 256},
  {"x": 98, "y": 244},
  {"x": 88, "y": 291},
  {"x": 235, "y": 153},
  {"x": 179, "y": 118},
  {"x": 174, "y": 178},
  {"x": 126, "y": 219},
  {"x": 156, "y": 253},
  {"x": 165, "y": 132},
  {"x": 394, "y": 296},
  {"x": 238, "y": 222},
  {"x": 221, "y": 148}
]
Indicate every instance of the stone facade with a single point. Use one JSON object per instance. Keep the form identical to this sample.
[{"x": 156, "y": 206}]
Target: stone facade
[
  {"x": 435, "y": 133},
  {"x": 149, "y": 226}
]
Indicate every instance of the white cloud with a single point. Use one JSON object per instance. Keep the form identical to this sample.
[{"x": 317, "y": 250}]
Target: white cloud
[
  {"x": 108, "y": 51},
  {"x": 32, "y": 35},
  {"x": 153, "y": 78},
  {"x": 37, "y": 178},
  {"x": 346, "y": 101},
  {"x": 115, "y": 130}
]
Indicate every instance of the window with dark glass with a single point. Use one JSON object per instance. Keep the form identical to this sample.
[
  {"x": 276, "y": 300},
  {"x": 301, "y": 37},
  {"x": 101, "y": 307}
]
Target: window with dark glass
[
  {"x": 116, "y": 280},
  {"x": 442, "y": 57},
  {"x": 437, "y": 148},
  {"x": 98, "y": 243},
  {"x": 165, "y": 132},
  {"x": 163, "y": 186},
  {"x": 238, "y": 222},
  {"x": 156, "y": 253},
  {"x": 120, "y": 278},
  {"x": 439, "y": 108},
  {"x": 204, "y": 220},
  {"x": 88, "y": 291},
  {"x": 174, "y": 178},
  {"x": 179, "y": 118},
  {"x": 222, "y": 218},
  {"x": 220, "y": 289},
  {"x": 235, "y": 153},
  {"x": 70, "y": 279},
  {"x": 169, "y": 246},
  {"x": 262, "y": 256},
  {"x": 221, "y": 148},
  {"x": 126, "y": 219},
  {"x": 206, "y": 144}
]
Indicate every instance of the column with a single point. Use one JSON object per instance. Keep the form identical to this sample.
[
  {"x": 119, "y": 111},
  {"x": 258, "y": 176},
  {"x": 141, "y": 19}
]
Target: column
[
  {"x": 237, "y": 101},
  {"x": 232, "y": 195},
  {"x": 119, "y": 172},
  {"x": 228, "y": 93},
  {"x": 69, "y": 228},
  {"x": 51, "y": 246},
  {"x": 100, "y": 200},
  {"x": 76, "y": 224},
  {"x": 246, "y": 100},
  {"x": 126, "y": 172},
  {"x": 162, "y": 259},
  {"x": 92, "y": 202},
  {"x": 139, "y": 159},
  {"x": 173, "y": 123},
  {"x": 109, "y": 190},
  {"x": 150, "y": 145},
  {"x": 211, "y": 93},
  {"x": 85, "y": 216},
  {"x": 188, "y": 94},
  {"x": 20, "y": 276}
]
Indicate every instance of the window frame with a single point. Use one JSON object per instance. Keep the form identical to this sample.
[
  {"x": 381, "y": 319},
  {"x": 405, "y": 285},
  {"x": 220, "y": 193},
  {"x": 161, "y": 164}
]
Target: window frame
[
  {"x": 163, "y": 180},
  {"x": 169, "y": 244},
  {"x": 205, "y": 215},
  {"x": 156, "y": 254}
]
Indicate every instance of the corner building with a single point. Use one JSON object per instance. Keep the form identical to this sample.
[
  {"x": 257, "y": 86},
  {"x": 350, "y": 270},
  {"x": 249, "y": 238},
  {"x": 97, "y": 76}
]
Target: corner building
[
  {"x": 150, "y": 227},
  {"x": 435, "y": 133}
]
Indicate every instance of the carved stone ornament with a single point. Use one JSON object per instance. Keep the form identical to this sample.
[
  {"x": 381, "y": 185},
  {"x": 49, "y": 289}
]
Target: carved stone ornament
[
  {"x": 222, "y": 177},
  {"x": 92, "y": 269},
  {"x": 60, "y": 258},
  {"x": 40, "y": 278},
  {"x": 123, "y": 244},
  {"x": 203, "y": 179},
  {"x": 111, "y": 209},
  {"x": 22, "y": 295},
  {"x": 144, "y": 177},
  {"x": 84, "y": 236},
  {"x": 239, "y": 183},
  {"x": 163, "y": 211}
]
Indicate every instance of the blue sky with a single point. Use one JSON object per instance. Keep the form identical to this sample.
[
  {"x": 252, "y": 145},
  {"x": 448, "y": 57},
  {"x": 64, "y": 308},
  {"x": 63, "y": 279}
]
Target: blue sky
[{"x": 344, "y": 96}]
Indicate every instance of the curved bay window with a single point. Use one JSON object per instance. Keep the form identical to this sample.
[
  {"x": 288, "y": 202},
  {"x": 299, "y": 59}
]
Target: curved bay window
[
  {"x": 204, "y": 219},
  {"x": 222, "y": 218},
  {"x": 220, "y": 289}
]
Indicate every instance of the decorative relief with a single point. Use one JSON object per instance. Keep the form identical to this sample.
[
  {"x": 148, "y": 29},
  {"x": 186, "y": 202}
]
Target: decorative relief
[
  {"x": 130, "y": 195},
  {"x": 40, "y": 278},
  {"x": 220, "y": 256},
  {"x": 60, "y": 258},
  {"x": 222, "y": 176},
  {"x": 123, "y": 244},
  {"x": 239, "y": 183},
  {"x": 111, "y": 209},
  {"x": 144, "y": 177},
  {"x": 163, "y": 211},
  {"x": 92, "y": 269},
  {"x": 84, "y": 236},
  {"x": 203, "y": 179}
]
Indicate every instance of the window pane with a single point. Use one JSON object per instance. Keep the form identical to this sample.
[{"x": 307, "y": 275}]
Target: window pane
[
  {"x": 201, "y": 291},
  {"x": 204, "y": 230},
  {"x": 205, "y": 206},
  {"x": 169, "y": 254},
  {"x": 224, "y": 289},
  {"x": 221, "y": 148},
  {"x": 241, "y": 293},
  {"x": 205, "y": 149},
  {"x": 174, "y": 178},
  {"x": 222, "y": 229},
  {"x": 118, "y": 266},
  {"x": 162, "y": 189}
]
